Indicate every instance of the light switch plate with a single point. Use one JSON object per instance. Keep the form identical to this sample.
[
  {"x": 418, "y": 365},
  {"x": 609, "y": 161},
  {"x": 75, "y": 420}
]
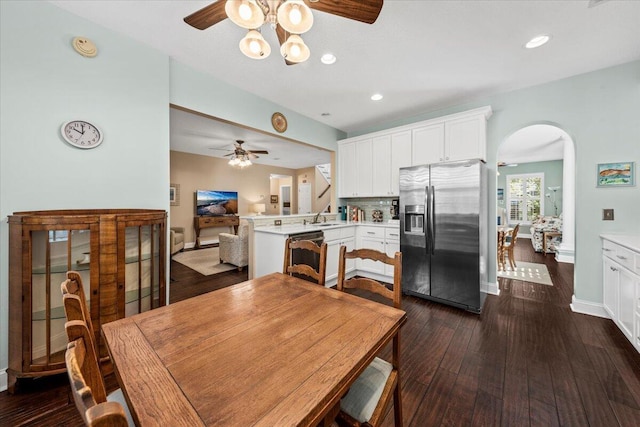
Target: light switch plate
[{"x": 607, "y": 214}]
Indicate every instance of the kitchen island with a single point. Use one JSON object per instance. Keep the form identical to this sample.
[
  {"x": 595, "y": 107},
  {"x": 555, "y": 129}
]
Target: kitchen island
[{"x": 269, "y": 242}]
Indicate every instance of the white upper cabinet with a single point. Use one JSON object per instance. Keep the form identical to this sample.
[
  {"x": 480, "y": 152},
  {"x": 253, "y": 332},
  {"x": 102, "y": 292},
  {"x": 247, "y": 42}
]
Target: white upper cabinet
[
  {"x": 368, "y": 165},
  {"x": 428, "y": 144}
]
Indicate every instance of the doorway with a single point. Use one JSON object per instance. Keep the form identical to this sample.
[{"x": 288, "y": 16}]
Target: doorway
[{"x": 285, "y": 200}]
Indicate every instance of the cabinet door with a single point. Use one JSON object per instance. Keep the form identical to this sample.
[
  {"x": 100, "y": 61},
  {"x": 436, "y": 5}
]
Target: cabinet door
[
  {"x": 364, "y": 168},
  {"x": 333, "y": 252},
  {"x": 369, "y": 265},
  {"x": 400, "y": 158},
  {"x": 465, "y": 139},
  {"x": 610, "y": 287},
  {"x": 427, "y": 144},
  {"x": 347, "y": 169},
  {"x": 391, "y": 247},
  {"x": 381, "y": 156},
  {"x": 626, "y": 308}
]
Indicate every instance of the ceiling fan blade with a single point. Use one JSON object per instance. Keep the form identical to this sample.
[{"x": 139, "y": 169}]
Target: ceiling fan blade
[
  {"x": 258, "y": 152},
  {"x": 207, "y": 16},
  {"x": 366, "y": 11},
  {"x": 252, "y": 156},
  {"x": 282, "y": 37}
]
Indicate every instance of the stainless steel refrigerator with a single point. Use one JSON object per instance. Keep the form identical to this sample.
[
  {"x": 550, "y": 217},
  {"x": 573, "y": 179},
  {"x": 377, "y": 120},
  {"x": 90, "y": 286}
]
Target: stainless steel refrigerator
[{"x": 443, "y": 237}]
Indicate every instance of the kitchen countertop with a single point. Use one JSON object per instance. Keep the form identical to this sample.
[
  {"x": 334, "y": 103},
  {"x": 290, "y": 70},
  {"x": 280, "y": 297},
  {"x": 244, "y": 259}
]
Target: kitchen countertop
[
  {"x": 629, "y": 241},
  {"x": 290, "y": 229}
]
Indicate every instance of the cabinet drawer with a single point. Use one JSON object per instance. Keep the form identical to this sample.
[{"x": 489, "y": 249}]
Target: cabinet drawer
[
  {"x": 347, "y": 232},
  {"x": 620, "y": 254},
  {"x": 609, "y": 249},
  {"x": 392, "y": 234},
  {"x": 371, "y": 232},
  {"x": 333, "y": 234}
]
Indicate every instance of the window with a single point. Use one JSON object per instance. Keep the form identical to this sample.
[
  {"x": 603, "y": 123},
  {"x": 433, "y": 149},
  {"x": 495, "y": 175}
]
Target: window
[{"x": 525, "y": 200}]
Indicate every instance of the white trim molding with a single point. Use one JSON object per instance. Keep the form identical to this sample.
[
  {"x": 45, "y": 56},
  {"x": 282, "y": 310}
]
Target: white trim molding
[
  {"x": 490, "y": 288},
  {"x": 565, "y": 253},
  {"x": 588, "y": 307},
  {"x": 3, "y": 380}
]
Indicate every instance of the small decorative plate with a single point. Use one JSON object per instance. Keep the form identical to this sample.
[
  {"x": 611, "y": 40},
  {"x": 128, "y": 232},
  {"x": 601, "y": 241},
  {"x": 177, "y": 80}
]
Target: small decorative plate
[{"x": 279, "y": 122}]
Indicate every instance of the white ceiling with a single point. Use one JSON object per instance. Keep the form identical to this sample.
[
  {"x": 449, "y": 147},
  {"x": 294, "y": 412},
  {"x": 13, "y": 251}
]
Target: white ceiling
[{"x": 421, "y": 55}]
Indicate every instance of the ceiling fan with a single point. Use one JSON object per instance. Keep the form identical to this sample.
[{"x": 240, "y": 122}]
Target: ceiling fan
[
  {"x": 241, "y": 157},
  {"x": 289, "y": 19}
]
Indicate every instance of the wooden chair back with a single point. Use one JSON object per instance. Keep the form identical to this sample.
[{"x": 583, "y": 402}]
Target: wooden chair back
[
  {"x": 395, "y": 294},
  {"x": 75, "y": 303},
  {"x": 87, "y": 385},
  {"x": 392, "y": 385},
  {"x": 514, "y": 234},
  {"x": 306, "y": 270}
]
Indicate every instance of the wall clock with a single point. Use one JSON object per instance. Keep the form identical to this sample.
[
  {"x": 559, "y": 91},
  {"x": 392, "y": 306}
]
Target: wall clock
[
  {"x": 81, "y": 134},
  {"x": 279, "y": 122}
]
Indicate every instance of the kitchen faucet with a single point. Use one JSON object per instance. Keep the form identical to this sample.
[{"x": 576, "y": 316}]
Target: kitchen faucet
[{"x": 316, "y": 219}]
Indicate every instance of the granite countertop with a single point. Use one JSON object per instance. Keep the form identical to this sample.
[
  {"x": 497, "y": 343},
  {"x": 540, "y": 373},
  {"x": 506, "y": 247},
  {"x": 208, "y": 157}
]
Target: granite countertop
[
  {"x": 629, "y": 241},
  {"x": 289, "y": 229}
]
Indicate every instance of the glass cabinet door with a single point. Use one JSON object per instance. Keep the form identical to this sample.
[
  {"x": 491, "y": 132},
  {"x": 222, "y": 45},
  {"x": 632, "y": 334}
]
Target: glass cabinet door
[
  {"x": 53, "y": 253},
  {"x": 142, "y": 269}
]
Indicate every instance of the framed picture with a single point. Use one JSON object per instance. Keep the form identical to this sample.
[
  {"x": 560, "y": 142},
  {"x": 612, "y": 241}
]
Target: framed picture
[
  {"x": 174, "y": 194},
  {"x": 274, "y": 198},
  {"x": 620, "y": 174}
]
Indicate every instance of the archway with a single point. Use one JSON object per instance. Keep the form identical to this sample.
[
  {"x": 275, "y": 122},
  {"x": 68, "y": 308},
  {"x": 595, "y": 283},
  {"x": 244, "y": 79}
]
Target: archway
[{"x": 538, "y": 146}]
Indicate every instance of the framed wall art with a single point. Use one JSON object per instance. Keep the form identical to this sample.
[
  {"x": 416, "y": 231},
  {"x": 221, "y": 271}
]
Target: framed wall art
[
  {"x": 274, "y": 198},
  {"x": 174, "y": 194},
  {"x": 619, "y": 174}
]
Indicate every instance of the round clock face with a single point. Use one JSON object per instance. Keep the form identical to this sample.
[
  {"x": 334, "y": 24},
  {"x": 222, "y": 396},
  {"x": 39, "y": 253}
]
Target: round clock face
[{"x": 81, "y": 134}]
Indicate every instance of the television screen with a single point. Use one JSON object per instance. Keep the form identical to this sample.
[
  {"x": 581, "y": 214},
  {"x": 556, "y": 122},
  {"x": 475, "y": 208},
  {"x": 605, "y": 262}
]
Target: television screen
[{"x": 210, "y": 202}]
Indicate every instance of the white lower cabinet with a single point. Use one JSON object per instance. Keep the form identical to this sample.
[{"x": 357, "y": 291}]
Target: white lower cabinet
[
  {"x": 335, "y": 238},
  {"x": 383, "y": 239},
  {"x": 621, "y": 288}
]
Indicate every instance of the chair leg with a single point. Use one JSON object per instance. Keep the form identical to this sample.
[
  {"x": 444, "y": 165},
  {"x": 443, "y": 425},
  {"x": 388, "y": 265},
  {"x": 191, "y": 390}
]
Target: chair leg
[
  {"x": 397, "y": 406},
  {"x": 512, "y": 261}
]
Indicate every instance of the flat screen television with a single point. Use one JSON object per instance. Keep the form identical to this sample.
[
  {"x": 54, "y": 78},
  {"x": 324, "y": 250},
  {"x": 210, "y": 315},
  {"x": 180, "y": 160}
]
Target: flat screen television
[{"x": 212, "y": 202}]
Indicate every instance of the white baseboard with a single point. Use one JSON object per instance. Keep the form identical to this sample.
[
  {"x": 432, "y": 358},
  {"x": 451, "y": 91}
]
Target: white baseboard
[
  {"x": 491, "y": 288},
  {"x": 3, "y": 380},
  {"x": 588, "y": 307},
  {"x": 565, "y": 253}
]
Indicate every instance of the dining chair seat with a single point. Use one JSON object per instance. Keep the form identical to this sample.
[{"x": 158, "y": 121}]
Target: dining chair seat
[{"x": 365, "y": 392}]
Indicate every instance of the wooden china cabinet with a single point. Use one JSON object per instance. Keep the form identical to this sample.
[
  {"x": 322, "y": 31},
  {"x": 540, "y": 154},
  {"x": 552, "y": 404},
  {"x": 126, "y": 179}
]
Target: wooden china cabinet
[{"x": 121, "y": 256}]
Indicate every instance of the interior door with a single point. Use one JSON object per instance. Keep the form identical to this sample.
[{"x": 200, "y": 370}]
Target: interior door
[{"x": 304, "y": 198}]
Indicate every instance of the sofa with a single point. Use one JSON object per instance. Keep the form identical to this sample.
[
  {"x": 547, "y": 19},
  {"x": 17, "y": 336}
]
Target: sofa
[
  {"x": 546, "y": 224},
  {"x": 176, "y": 239},
  {"x": 234, "y": 249}
]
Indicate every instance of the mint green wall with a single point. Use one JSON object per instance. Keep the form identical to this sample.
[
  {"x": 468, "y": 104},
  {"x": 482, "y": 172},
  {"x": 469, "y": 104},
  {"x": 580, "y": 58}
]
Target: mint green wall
[
  {"x": 44, "y": 82},
  {"x": 552, "y": 171},
  {"x": 200, "y": 92},
  {"x": 600, "y": 111}
]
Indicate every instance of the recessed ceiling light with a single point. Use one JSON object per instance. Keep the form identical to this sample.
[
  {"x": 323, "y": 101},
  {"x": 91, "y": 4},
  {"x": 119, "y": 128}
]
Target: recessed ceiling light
[
  {"x": 537, "y": 41},
  {"x": 328, "y": 58},
  {"x": 376, "y": 97}
]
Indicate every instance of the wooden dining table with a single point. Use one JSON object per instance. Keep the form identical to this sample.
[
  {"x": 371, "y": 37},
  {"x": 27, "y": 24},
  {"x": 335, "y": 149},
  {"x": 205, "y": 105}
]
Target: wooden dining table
[{"x": 272, "y": 351}]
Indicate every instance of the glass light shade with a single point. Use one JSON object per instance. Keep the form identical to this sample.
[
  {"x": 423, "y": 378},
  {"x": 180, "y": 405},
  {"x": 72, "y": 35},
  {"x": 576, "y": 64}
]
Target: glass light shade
[
  {"x": 295, "y": 16},
  {"x": 244, "y": 13},
  {"x": 294, "y": 49},
  {"x": 234, "y": 161},
  {"x": 254, "y": 45}
]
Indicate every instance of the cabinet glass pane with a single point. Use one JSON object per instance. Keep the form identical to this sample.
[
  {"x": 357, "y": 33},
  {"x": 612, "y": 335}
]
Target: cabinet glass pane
[{"x": 141, "y": 268}]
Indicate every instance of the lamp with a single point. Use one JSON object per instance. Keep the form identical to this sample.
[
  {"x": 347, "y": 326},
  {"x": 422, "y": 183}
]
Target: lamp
[
  {"x": 259, "y": 208},
  {"x": 555, "y": 207},
  {"x": 241, "y": 161},
  {"x": 294, "y": 16}
]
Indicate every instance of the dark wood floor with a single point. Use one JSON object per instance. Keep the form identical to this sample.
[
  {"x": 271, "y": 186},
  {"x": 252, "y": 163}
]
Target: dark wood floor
[{"x": 527, "y": 360}]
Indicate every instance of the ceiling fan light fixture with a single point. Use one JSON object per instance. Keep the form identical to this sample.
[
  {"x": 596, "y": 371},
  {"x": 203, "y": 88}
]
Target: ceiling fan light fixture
[
  {"x": 254, "y": 45},
  {"x": 294, "y": 49},
  {"x": 295, "y": 16},
  {"x": 245, "y": 13}
]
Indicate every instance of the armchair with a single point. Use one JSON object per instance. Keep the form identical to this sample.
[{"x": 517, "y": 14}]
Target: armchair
[
  {"x": 176, "y": 239},
  {"x": 234, "y": 249},
  {"x": 545, "y": 224}
]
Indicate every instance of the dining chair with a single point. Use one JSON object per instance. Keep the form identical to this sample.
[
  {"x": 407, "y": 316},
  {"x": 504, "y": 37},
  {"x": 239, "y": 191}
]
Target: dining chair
[
  {"x": 96, "y": 407},
  {"x": 370, "y": 395},
  {"x": 508, "y": 247},
  {"x": 75, "y": 303},
  {"x": 314, "y": 251}
]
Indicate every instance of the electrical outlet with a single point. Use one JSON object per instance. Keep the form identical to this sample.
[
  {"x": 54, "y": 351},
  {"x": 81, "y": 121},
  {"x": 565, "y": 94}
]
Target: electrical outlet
[
  {"x": 277, "y": 222},
  {"x": 607, "y": 214}
]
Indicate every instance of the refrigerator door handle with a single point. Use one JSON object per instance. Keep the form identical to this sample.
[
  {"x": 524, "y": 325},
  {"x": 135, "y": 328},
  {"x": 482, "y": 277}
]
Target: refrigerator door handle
[
  {"x": 432, "y": 220},
  {"x": 426, "y": 225}
]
